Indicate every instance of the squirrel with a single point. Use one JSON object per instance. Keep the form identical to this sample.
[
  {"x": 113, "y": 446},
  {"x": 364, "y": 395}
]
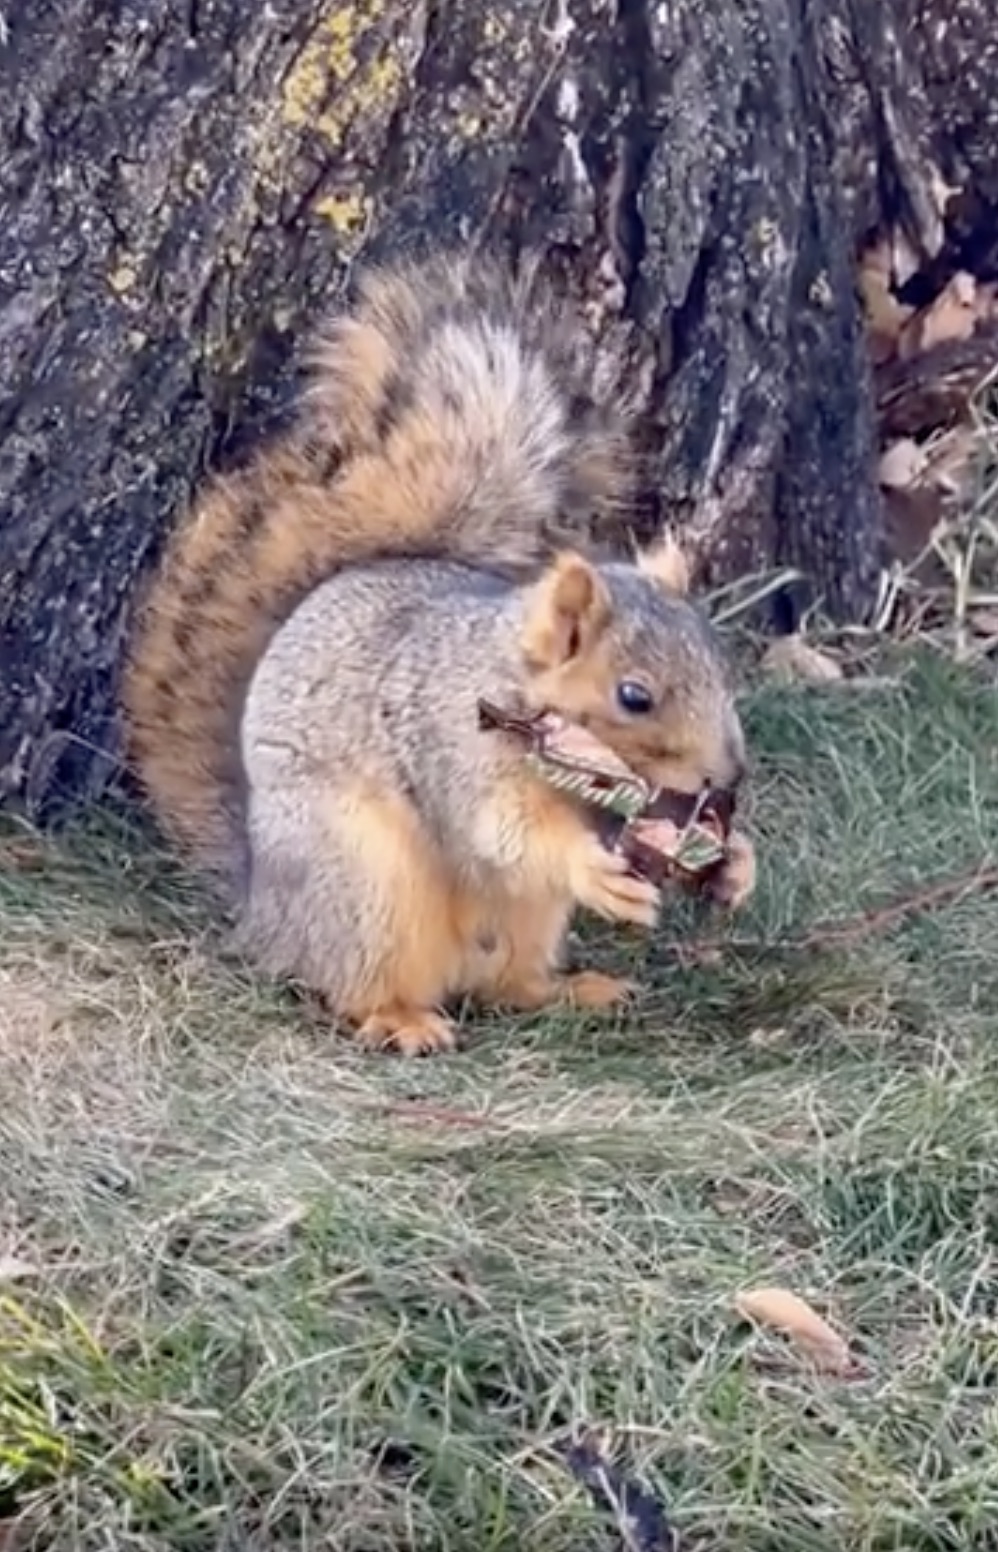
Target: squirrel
[{"x": 301, "y": 686}]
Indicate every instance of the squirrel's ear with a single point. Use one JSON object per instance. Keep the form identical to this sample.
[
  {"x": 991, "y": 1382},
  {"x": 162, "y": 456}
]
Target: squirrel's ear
[
  {"x": 568, "y": 609},
  {"x": 666, "y": 564}
]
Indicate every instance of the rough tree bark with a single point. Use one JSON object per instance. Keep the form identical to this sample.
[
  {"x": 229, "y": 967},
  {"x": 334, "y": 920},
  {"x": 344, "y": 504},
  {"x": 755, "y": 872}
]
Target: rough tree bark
[{"x": 185, "y": 185}]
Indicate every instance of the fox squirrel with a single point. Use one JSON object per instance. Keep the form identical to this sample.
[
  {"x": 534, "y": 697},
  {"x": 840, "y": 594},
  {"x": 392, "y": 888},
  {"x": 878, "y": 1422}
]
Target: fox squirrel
[{"x": 301, "y": 688}]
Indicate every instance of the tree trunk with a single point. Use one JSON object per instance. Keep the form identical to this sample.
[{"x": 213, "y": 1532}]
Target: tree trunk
[{"x": 185, "y": 186}]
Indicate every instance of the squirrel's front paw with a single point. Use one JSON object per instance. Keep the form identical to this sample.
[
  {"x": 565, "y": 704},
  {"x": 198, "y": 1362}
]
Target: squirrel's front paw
[
  {"x": 603, "y": 883},
  {"x": 734, "y": 881}
]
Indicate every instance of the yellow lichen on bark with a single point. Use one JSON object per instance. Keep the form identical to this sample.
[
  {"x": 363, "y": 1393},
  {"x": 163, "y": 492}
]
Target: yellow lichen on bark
[{"x": 333, "y": 81}]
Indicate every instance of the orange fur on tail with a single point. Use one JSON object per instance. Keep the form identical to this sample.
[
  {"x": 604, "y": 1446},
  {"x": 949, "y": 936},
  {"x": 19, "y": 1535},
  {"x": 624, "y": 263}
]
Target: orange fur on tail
[{"x": 452, "y": 412}]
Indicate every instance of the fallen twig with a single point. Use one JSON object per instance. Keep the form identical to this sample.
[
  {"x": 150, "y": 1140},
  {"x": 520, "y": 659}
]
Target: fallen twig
[
  {"x": 943, "y": 892},
  {"x": 833, "y": 934},
  {"x": 443, "y": 1115}
]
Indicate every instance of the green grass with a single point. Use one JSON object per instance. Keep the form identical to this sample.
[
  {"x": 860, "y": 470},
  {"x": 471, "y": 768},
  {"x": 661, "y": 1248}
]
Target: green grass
[{"x": 260, "y": 1292}]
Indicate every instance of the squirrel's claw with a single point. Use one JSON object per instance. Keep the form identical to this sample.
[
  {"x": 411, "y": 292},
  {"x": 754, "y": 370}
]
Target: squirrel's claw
[{"x": 409, "y": 1031}]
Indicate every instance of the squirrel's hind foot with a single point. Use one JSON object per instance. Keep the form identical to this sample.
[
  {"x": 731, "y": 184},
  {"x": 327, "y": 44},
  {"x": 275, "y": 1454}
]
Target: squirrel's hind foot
[
  {"x": 576, "y": 989},
  {"x": 408, "y": 1031},
  {"x": 593, "y": 989}
]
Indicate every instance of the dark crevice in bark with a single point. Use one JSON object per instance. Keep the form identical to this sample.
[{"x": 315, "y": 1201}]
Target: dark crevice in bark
[{"x": 640, "y": 136}]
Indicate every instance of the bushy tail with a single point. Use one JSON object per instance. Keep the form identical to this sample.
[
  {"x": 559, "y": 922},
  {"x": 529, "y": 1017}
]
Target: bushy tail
[{"x": 453, "y": 411}]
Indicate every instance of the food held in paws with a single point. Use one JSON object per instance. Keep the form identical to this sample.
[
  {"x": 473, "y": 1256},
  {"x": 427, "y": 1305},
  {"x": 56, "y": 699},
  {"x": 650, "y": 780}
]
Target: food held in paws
[
  {"x": 659, "y": 848},
  {"x": 662, "y": 833}
]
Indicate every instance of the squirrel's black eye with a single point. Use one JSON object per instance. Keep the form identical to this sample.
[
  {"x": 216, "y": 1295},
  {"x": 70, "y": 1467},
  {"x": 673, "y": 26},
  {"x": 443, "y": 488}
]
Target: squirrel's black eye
[{"x": 633, "y": 697}]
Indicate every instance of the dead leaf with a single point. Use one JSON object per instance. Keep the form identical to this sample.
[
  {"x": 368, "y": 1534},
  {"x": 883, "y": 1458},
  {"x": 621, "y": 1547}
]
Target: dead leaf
[
  {"x": 943, "y": 464},
  {"x": 13, "y": 1268},
  {"x": 950, "y": 460},
  {"x": 21, "y": 856},
  {"x": 787, "y": 1312},
  {"x": 699, "y": 954},
  {"x": 885, "y": 315},
  {"x": 910, "y": 519},
  {"x": 789, "y": 658},
  {"x": 906, "y": 260},
  {"x": 902, "y": 464},
  {"x": 764, "y": 1039},
  {"x": 953, "y": 315},
  {"x": 943, "y": 193}
]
